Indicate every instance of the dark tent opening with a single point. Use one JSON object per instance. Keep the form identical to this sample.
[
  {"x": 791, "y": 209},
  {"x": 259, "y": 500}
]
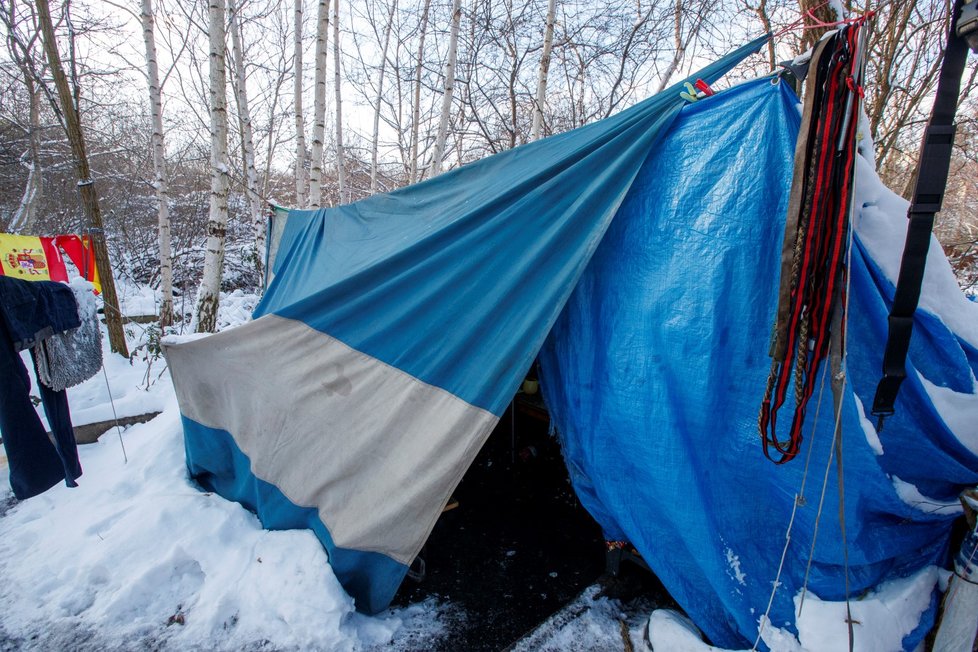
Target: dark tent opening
[{"x": 519, "y": 545}]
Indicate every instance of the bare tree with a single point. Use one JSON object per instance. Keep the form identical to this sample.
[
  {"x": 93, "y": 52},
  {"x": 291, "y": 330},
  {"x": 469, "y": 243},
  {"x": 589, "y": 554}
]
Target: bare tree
[
  {"x": 905, "y": 54},
  {"x": 761, "y": 11},
  {"x": 86, "y": 184},
  {"x": 240, "y": 86},
  {"x": 209, "y": 294},
  {"x": 301, "y": 155},
  {"x": 375, "y": 140},
  {"x": 817, "y": 13},
  {"x": 273, "y": 67},
  {"x": 416, "y": 104},
  {"x": 337, "y": 84},
  {"x": 603, "y": 56},
  {"x": 159, "y": 162},
  {"x": 22, "y": 53},
  {"x": 446, "y": 103},
  {"x": 319, "y": 108},
  {"x": 548, "y": 40},
  {"x": 682, "y": 38}
]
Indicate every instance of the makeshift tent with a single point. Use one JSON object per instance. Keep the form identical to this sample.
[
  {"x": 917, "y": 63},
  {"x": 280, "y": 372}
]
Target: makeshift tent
[
  {"x": 397, "y": 329},
  {"x": 424, "y": 308}
]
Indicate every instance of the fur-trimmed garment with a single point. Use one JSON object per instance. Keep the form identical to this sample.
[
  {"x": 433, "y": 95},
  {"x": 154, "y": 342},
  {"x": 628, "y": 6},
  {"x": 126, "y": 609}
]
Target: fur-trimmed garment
[{"x": 72, "y": 357}]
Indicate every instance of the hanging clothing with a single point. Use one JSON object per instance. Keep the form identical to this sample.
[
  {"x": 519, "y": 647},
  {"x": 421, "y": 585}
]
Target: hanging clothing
[
  {"x": 34, "y": 311},
  {"x": 70, "y": 358},
  {"x": 29, "y": 313}
]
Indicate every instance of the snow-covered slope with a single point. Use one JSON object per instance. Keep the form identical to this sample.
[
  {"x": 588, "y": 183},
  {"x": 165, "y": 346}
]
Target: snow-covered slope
[{"x": 137, "y": 557}]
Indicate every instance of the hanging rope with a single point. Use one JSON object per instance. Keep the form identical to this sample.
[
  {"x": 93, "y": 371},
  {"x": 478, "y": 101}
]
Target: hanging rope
[
  {"x": 800, "y": 501},
  {"x": 115, "y": 415},
  {"x": 809, "y": 20},
  {"x": 816, "y": 234},
  {"x": 807, "y": 338}
]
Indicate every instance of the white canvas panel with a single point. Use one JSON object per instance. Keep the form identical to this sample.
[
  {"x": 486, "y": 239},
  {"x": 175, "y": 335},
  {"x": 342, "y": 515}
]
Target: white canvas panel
[{"x": 376, "y": 451}]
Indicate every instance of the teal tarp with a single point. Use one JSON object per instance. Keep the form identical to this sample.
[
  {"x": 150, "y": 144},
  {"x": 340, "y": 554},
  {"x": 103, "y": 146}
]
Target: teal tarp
[{"x": 451, "y": 284}]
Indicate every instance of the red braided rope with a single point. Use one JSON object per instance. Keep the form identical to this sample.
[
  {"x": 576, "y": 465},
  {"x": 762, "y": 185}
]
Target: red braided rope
[{"x": 824, "y": 229}]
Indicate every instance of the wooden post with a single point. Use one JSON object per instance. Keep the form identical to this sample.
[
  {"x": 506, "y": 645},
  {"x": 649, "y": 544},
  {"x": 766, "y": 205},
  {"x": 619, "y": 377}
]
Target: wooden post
[{"x": 86, "y": 185}]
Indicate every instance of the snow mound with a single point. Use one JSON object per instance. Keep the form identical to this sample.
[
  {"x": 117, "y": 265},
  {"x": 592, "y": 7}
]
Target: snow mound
[
  {"x": 138, "y": 557},
  {"x": 881, "y": 621}
]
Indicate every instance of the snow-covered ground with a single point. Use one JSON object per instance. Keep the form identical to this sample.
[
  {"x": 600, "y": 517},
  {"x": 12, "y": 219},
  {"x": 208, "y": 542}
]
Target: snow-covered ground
[
  {"x": 137, "y": 557},
  {"x": 592, "y": 623},
  {"x": 884, "y": 618},
  {"x": 589, "y": 624}
]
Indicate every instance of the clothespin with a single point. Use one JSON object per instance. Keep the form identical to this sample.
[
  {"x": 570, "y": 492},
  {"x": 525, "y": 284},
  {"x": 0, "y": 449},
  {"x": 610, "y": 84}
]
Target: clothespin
[
  {"x": 689, "y": 94},
  {"x": 696, "y": 91},
  {"x": 704, "y": 87}
]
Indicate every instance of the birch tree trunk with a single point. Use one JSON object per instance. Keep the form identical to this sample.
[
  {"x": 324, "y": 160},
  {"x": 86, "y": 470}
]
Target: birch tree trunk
[
  {"x": 548, "y": 40},
  {"x": 319, "y": 108},
  {"x": 446, "y": 100},
  {"x": 23, "y": 218},
  {"x": 22, "y": 55},
  {"x": 162, "y": 194},
  {"x": 380, "y": 95},
  {"x": 301, "y": 156},
  {"x": 86, "y": 185},
  {"x": 208, "y": 297},
  {"x": 416, "y": 104},
  {"x": 679, "y": 47},
  {"x": 340, "y": 159},
  {"x": 247, "y": 137}
]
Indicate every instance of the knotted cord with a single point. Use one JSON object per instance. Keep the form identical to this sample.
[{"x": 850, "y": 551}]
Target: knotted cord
[{"x": 819, "y": 221}]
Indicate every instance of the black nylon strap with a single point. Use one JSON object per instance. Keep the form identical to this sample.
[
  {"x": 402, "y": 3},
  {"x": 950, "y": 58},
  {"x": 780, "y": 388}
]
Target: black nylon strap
[{"x": 932, "y": 170}]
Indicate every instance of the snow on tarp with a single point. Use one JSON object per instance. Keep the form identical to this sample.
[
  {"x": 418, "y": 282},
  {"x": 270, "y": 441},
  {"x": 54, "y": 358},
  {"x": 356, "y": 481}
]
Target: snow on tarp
[
  {"x": 394, "y": 334},
  {"x": 655, "y": 371}
]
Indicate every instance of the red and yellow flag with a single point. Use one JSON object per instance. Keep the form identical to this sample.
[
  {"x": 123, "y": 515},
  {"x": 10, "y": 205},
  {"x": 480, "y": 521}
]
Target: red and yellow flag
[
  {"x": 80, "y": 251},
  {"x": 34, "y": 258},
  {"x": 31, "y": 258}
]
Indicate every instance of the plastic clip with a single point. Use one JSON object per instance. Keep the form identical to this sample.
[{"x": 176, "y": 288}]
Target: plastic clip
[
  {"x": 690, "y": 93},
  {"x": 704, "y": 87}
]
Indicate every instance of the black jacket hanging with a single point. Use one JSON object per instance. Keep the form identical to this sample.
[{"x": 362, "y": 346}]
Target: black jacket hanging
[{"x": 29, "y": 312}]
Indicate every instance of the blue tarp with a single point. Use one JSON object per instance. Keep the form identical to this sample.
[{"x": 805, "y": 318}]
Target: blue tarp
[
  {"x": 397, "y": 329},
  {"x": 655, "y": 370}
]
